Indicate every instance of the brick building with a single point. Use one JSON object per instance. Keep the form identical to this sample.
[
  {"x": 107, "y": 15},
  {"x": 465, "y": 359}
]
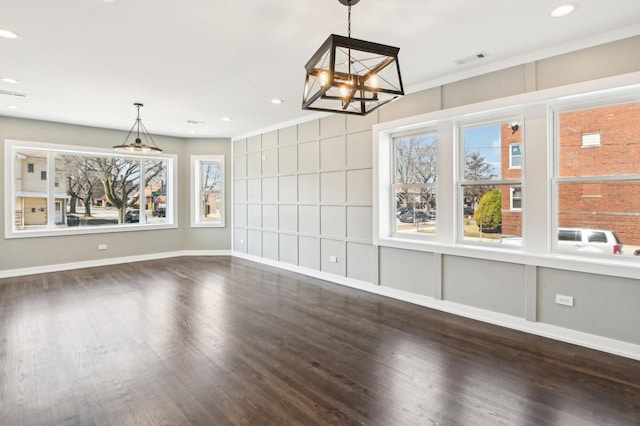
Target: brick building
[{"x": 599, "y": 146}]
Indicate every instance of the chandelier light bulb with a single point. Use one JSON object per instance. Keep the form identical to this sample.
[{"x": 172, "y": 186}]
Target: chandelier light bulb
[{"x": 324, "y": 78}]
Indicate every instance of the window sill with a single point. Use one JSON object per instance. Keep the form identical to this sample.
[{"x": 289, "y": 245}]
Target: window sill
[
  {"x": 83, "y": 230},
  {"x": 617, "y": 266}
]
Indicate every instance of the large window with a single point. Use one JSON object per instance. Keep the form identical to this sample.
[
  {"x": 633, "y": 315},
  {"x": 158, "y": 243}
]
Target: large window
[
  {"x": 490, "y": 182},
  {"x": 543, "y": 181},
  {"x": 415, "y": 183},
  {"x": 597, "y": 179},
  {"x": 93, "y": 190},
  {"x": 207, "y": 183}
]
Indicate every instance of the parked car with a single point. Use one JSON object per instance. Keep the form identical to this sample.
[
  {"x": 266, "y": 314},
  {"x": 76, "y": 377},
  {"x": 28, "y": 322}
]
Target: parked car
[
  {"x": 132, "y": 216},
  {"x": 402, "y": 210},
  {"x": 414, "y": 216},
  {"x": 468, "y": 211},
  {"x": 587, "y": 240},
  {"x": 431, "y": 214},
  {"x": 160, "y": 212}
]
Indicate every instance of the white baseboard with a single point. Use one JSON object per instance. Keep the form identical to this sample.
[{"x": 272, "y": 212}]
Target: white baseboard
[
  {"x": 603, "y": 344},
  {"x": 9, "y": 273}
]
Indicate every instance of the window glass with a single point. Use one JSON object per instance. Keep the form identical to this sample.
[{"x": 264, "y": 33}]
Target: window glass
[
  {"x": 597, "y": 184},
  {"x": 156, "y": 195},
  {"x": 568, "y": 235},
  {"x": 597, "y": 237},
  {"x": 515, "y": 156},
  {"x": 492, "y": 164},
  {"x": 516, "y": 198},
  {"x": 617, "y": 151},
  {"x": 415, "y": 187}
]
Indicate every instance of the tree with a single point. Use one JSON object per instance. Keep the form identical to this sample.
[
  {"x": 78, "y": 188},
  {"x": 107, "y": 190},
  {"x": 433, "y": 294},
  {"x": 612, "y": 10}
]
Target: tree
[
  {"x": 416, "y": 162},
  {"x": 211, "y": 178},
  {"x": 476, "y": 169},
  {"x": 488, "y": 215},
  {"x": 81, "y": 181},
  {"x": 120, "y": 178}
]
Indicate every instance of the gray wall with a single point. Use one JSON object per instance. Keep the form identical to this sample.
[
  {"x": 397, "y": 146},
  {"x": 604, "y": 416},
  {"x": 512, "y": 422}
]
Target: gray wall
[
  {"x": 303, "y": 194},
  {"x": 33, "y": 252}
]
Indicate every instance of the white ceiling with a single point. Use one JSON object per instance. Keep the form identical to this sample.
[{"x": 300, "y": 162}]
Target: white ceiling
[{"x": 87, "y": 61}]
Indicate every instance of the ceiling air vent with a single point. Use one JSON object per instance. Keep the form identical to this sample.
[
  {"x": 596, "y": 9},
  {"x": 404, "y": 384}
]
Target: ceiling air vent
[
  {"x": 469, "y": 59},
  {"x": 17, "y": 94}
]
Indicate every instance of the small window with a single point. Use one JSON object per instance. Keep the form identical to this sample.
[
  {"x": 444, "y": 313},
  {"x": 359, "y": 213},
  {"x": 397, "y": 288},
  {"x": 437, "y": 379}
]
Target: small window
[
  {"x": 516, "y": 198},
  {"x": 30, "y": 168},
  {"x": 591, "y": 139},
  {"x": 207, "y": 190},
  {"x": 597, "y": 237},
  {"x": 43, "y": 175},
  {"x": 515, "y": 156}
]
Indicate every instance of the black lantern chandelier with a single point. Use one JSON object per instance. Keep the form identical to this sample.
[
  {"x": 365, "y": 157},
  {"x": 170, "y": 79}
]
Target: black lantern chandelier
[
  {"x": 351, "y": 76},
  {"x": 138, "y": 147}
]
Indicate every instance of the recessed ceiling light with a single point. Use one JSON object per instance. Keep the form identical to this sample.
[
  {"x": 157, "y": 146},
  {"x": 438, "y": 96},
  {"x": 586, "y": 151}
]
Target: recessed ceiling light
[
  {"x": 192, "y": 131},
  {"x": 226, "y": 119},
  {"x": 563, "y": 10},
  {"x": 4, "y": 33},
  {"x": 9, "y": 80},
  {"x": 11, "y": 107},
  {"x": 276, "y": 101}
]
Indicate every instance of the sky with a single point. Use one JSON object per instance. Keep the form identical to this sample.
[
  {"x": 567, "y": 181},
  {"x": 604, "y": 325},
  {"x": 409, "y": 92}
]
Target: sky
[{"x": 486, "y": 141}]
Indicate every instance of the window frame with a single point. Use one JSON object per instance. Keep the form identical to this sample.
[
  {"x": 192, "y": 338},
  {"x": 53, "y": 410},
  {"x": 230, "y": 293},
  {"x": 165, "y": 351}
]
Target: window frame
[
  {"x": 609, "y": 98},
  {"x": 511, "y": 166},
  {"x": 196, "y": 213},
  {"x": 51, "y": 150},
  {"x": 538, "y": 159},
  {"x": 514, "y": 114},
  {"x": 512, "y": 190},
  {"x": 395, "y": 184}
]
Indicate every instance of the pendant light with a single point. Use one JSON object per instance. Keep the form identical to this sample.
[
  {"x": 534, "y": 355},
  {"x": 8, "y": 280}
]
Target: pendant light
[
  {"x": 351, "y": 76},
  {"x": 137, "y": 146}
]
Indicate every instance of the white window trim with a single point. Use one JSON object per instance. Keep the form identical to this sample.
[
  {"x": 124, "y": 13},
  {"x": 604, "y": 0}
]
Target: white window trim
[
  {"x": 537, "y": 161},
  {"x": 196, "y": 213},
  {"x": 511, "y": 191},
  {"x": 9, "y": 199}
]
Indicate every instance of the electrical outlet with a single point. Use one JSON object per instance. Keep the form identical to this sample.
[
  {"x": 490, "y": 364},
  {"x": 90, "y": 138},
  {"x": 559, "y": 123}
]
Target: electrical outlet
[
  {"x": 102, "y": 246},
  {"x": 333, "y": 259},
  {"x": 564, "y": 300}
]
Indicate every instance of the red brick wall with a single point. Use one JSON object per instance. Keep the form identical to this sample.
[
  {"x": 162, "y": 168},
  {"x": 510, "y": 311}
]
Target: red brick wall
[
  {"x": 605, "y": 205},
  {"x": 619, "y": 152}
]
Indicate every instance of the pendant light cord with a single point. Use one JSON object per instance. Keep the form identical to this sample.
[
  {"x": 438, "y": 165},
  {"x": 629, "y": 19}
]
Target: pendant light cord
[{"x": 349, "y": 20}]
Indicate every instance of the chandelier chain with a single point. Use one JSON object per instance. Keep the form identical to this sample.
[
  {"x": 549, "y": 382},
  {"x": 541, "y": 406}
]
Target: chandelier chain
[{"x": 349, "y": 20}]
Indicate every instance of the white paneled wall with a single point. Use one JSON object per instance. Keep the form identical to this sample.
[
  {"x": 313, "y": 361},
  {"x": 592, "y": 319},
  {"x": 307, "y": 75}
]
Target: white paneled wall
[{"x": 303, "y": 196}]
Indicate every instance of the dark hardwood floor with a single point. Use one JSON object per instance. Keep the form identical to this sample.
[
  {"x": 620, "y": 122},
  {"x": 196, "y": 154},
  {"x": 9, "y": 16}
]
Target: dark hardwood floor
[{"x": 219, "y": 341}]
